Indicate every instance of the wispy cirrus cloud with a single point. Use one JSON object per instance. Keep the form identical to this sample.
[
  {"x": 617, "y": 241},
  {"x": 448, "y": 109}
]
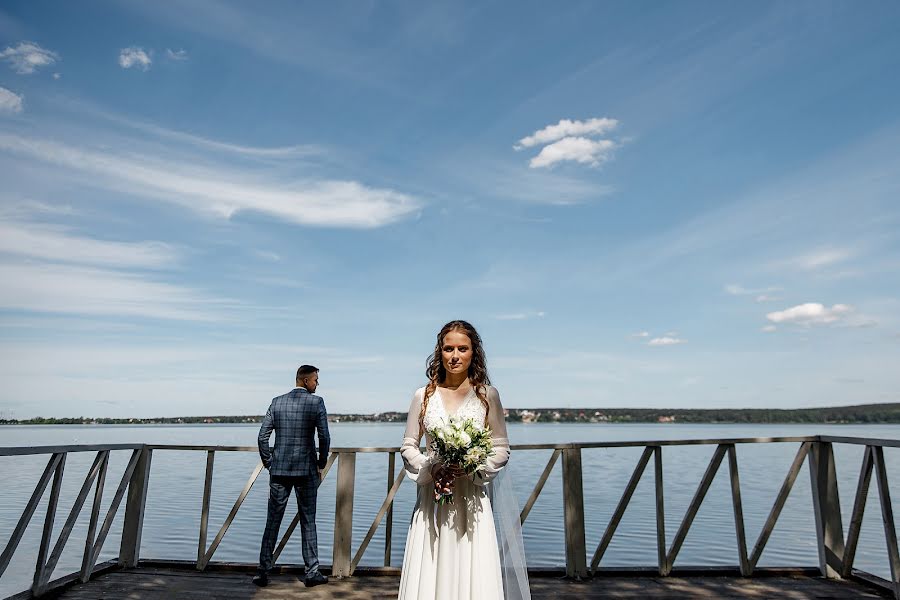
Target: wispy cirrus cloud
[
  {"x": 68, "y": 289},
  {"x": 218, "y": 189},
  {"x": 28, "y": 57},
  {"x": 10, "y": 102},
  {"x": 179, "y": 55},
  {"x": 57, "y": 244},
  {"x": 666, "y": 341},
  {"x": 134, "y": 57},
  {"x": 820, "y": 258},
  {"x": 521, "y": 316},
  {"x": 760, "y": 294}
]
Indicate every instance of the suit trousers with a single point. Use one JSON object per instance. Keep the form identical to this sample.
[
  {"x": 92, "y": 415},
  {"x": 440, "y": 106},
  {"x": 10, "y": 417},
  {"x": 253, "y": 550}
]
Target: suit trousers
[{"x": 305, "y": 488}]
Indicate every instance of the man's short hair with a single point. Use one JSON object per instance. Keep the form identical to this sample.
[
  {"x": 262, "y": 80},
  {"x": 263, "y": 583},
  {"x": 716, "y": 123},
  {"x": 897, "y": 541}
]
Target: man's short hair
[{"x": 306, "y": 371}]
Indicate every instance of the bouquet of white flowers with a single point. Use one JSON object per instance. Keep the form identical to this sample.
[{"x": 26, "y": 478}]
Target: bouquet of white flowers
[{"x": 461, "y": 443}]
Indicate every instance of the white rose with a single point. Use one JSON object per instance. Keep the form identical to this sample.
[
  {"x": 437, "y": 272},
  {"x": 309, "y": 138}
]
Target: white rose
[{"x": 465, "y": 438}]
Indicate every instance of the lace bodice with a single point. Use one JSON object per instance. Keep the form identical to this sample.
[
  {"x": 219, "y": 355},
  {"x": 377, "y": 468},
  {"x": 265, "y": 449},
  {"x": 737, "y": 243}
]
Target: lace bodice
[
  {"x": 418, "y": 465},
  {"x": 436, "y": 412}
]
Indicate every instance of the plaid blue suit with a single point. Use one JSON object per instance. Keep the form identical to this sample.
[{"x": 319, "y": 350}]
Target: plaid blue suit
[{"x": 294, "y": 417}]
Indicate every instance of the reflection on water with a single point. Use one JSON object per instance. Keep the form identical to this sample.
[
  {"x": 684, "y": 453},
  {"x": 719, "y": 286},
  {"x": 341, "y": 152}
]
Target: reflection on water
[{"x": 172, "y": 520}]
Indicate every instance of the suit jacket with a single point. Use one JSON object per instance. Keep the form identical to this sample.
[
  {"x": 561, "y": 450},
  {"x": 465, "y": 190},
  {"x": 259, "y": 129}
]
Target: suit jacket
[{"x": 295, "y": 417}]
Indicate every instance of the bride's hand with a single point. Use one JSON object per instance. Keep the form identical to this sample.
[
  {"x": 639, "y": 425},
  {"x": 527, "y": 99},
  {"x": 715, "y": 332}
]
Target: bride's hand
[{"x": 443, "y": 479}]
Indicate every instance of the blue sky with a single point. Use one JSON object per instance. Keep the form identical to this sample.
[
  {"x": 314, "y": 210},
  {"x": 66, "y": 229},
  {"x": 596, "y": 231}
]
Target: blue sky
[{"x": 677, "y": 204}]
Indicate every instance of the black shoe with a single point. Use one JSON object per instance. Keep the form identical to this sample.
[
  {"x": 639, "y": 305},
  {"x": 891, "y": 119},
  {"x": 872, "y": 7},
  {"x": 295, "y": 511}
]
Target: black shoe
[
  {"x": 314, "y": 580},
  {"x": 261, "y": 579}
]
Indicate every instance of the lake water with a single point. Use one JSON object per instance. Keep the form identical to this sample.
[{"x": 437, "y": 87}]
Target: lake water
[{"x": 172, "y": 519}]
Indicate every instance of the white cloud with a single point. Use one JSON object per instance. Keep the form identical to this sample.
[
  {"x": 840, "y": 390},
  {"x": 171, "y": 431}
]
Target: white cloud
[
  {"x": 222, "y": 190},
  {"x": 56, "y": 244},
  {"x": 89, "y": 291},
  {"x": 521, "y": 316},
  {"x": 766, "y": 298},
  {"x": 641, "y": 334},
  {"x": 739, "y": 290},
  {"x": 769, "y": 328},
  {"x": 10, "y": 102},
  {"x": 134, "y": 57},
  {"x": 577, "y": 149},
  {"x": 280, "y": 152},
  {"x": 57, "y": 75},
  {"x": 567, "y": 128},
  {"x": 666, "y": 341},
  {"x": 27, "y": 57},
  {"x": 820, "y": 258},
  {"x": 811, "y": 313},
  {"x": 180, "y": 54},
  {"x": 268, "y": 255}
]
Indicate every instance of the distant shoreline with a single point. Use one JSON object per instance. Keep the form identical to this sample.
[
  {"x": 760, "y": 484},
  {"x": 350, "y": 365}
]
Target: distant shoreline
[{"x": 860, "y": 415}]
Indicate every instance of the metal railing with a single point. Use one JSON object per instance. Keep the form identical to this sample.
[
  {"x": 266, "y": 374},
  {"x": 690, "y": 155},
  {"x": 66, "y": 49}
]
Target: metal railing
[{"x": 836, "y": 552}]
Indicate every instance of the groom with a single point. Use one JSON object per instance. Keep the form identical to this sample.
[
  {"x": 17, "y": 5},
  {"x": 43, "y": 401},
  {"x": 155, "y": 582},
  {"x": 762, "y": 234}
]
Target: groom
[{"x": 294, "y": 417}]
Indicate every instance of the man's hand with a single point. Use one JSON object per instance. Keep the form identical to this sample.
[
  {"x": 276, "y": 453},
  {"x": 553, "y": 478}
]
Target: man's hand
[{"x": 321, "y": 474}]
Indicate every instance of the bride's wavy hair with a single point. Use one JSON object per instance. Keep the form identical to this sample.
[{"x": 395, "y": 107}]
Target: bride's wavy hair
[{"x": 437, "y": 373}]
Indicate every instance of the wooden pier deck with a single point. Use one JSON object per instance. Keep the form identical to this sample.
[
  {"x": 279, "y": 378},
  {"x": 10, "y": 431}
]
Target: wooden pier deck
[{"x": 180, "y": 584}]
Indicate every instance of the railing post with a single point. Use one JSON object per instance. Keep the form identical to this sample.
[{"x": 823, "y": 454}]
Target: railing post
[
  {"x": 130, "y": 548},
  {"x": 389, "y": 523},
  {"x": 827, "y": 508},
  {"x": 343, "y": 515},
  {"x": 573, "y": 511}
]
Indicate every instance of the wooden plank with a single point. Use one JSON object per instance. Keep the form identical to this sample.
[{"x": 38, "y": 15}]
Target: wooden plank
[
  {"x": 38, "y": 581},
  {"x": 25, "y": 519},
  {"x": 859, "y": 508},
  {"x": 133, "y": 525},
  {"x": 786, "y": 487},
  {"x": 827, "y": 508},
  {"x": 163, "y": 584},
  {"x": 620, "y": 508},
  {"x": 863, "y": 441},
  {"x": 563, "y": 446},
  {"x": 738, "y": 511},
  {"x": 388, "y": 502},
  {"x": 389, "y": 522},
  {"x": 539, "y": 486},
  {"x": 343, "y": 515},
  {"x": 234, "y": 510},
  {"x": 66, "y": 531},
  {"x": 86, "y": 564},
  {"x": 27, "y": 450},
  {"x": 573, "y": 514},
  {"x": 645, "y": 443},
  {"x": 662, "y": 564},
  {"x": 296, "y": 520},
  {"x": 886, "y": 443},
  {"x": 114, "y": 506},
  {"x": 699, "y": 495},
  {"x": 204, "y": 507},
  {"x": 887, "y": 517}
]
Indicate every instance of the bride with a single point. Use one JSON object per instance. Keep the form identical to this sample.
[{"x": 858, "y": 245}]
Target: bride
[{"x": 470, "y": 549}]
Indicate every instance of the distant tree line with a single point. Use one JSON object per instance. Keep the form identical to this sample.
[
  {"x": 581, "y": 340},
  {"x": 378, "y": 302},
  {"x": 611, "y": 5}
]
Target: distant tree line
[{"x": 866, "y": 413}]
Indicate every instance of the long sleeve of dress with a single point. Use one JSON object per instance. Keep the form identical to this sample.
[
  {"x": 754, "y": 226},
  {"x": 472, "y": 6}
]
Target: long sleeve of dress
[
  {"x": 417, "y": 465},
  {"x": 497, "y": 423}
]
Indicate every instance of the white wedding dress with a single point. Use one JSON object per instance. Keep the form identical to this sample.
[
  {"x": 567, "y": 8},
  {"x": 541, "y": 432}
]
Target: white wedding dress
[{"x": 452, "y": 550}]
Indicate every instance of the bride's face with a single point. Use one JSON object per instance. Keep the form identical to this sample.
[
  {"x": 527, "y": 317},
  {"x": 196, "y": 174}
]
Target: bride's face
[{"x": 456, "y": 352}]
